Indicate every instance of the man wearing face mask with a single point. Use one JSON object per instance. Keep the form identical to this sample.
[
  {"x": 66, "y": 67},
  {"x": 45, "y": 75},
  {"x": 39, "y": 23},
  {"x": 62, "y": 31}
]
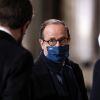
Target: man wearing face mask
[{"x": 54, "y": 75}]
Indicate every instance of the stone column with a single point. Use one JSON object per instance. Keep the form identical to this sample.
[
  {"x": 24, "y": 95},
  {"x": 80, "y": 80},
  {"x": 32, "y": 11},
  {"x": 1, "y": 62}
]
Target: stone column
[
  {"x": 30, "y": 40},
  {"x": 79, "y": 16}
]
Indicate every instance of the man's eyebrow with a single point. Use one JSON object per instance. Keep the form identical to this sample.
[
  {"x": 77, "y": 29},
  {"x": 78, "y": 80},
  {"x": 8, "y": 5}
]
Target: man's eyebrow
[
  {"x": 62, "y": 38},
  {"x": 53, "y": 38}
]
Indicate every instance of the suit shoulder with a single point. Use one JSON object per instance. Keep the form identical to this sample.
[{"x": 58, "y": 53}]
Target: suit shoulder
[
  {"x": 38, "y": 60},
  {"x": 73, "y": 63},
  {"x": 12, "y": 51},
  {"x": 75, "y": 66},
  {"x": 97, "y": 61},
  {"x": 97, "y": 65},
  {"x": 40, "y": 66}
]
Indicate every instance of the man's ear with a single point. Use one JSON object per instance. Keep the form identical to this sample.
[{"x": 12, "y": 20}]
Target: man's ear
[
  {"x": 41, "y": 43},
  {"x": 26, "y": 26}
]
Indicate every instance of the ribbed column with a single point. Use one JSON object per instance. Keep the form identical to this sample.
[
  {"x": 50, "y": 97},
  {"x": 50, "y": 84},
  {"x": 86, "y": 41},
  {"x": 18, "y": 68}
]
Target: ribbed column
[{"x": 79, "y": 15}]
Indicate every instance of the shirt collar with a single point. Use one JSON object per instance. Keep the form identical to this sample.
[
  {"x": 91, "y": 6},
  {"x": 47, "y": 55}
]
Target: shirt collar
[{"x": 5, "y": 30}]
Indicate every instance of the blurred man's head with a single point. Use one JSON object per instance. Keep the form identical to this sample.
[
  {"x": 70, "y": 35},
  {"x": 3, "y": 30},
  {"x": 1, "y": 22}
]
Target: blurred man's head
[{"x": 15, "y": 14}]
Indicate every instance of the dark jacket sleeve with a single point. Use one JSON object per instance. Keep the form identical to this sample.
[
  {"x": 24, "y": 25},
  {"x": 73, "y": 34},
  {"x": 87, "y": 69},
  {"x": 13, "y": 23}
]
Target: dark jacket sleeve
[
  {"x": 19, "y": 78},
  {"x": 80, "y": 80},
  {"x": 95, "y": 92}
]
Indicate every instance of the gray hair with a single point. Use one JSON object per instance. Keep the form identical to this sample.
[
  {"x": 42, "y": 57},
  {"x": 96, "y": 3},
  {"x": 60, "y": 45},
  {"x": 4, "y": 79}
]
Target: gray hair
[{"x": 53, "y": 21}]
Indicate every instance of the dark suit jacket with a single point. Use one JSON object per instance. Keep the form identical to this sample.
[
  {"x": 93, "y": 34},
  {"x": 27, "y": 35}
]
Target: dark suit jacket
[
  {"x": 15, "y": 69},
  {"x": 46, "y": 87},
  {"x": 95, "y": 93}
]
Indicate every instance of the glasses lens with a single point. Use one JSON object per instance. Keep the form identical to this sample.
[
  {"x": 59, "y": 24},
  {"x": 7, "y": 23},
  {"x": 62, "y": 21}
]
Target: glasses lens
[
  {"x": 63, "y": 41},
  {"x": 52, "y": 42}
]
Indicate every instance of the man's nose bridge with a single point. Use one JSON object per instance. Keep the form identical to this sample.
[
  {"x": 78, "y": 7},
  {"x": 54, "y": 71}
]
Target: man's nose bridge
[{"x": 58, "y": 43}]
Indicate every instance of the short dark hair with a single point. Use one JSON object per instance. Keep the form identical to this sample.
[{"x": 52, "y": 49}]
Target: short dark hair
[
  {"x": 15, "y": 13},
  {"x": 52, "y": 21}
]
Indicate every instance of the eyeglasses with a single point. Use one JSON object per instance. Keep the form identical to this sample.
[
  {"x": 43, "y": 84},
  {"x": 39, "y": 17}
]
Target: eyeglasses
[{"x": 53, "y": 42}]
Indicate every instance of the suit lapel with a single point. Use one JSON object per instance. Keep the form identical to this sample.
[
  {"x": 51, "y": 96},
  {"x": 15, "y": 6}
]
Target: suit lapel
[{"x": 71, "y": 82}]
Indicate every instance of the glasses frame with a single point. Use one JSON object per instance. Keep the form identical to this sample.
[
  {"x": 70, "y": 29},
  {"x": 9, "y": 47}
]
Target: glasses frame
[{"x": 53, "y": 42}]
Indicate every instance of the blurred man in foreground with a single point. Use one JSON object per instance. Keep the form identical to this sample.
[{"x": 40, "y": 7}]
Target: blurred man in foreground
[{"x": 15, "y": 61}]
